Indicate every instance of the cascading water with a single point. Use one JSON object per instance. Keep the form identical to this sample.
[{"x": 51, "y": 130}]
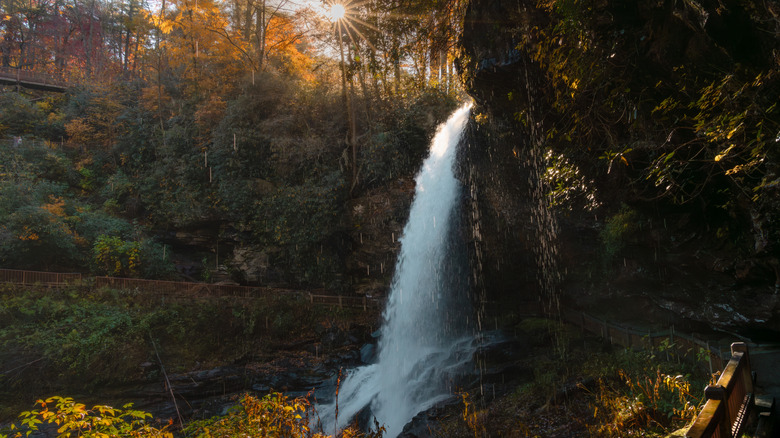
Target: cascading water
[{"x": 425, "y": 338}]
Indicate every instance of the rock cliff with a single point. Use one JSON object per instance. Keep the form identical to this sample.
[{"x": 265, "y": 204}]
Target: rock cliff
[{"x": 622, "y": 158}]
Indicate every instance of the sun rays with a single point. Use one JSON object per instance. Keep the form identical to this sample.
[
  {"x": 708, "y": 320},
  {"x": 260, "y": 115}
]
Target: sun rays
[
  {"x": 345, "y": 16},
  {"x": 337, "y": 12}
]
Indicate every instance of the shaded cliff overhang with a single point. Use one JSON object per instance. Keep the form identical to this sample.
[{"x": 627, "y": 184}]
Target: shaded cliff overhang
[
  {"x": 662, "y": 108},
  {"x": 496, "y": 71}
]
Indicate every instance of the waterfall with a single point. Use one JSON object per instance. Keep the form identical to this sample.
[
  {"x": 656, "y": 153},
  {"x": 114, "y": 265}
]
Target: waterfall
[{"x": 425, "y": 337}]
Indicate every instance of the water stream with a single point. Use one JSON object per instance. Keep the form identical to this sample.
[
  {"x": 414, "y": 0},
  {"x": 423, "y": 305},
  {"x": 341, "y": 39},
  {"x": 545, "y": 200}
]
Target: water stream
[{"x": 426, "y": 339}]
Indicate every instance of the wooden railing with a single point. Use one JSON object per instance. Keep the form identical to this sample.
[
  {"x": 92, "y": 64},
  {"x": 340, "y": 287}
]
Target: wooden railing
[
  {"x": 730, "y": 401},
  {"x": 35, "y": 277}
]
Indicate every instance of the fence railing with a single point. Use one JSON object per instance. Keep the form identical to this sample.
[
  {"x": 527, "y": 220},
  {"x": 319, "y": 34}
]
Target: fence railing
[
  {"x": 673, "y": 343},
  {"x": 343, "y": 301},
  {"x": 730, "y": 401},
  {"x": 37, "y": 277},
  {"x": 27, "y": 77},
  {"x": 161, "y": 287},
  {"x": 173, "y": 288}
]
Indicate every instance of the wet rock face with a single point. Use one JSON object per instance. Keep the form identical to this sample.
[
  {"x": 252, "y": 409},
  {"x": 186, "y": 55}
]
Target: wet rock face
[
  {"x": 504, "y": 81},
  {"x": 673, "y": 256}
]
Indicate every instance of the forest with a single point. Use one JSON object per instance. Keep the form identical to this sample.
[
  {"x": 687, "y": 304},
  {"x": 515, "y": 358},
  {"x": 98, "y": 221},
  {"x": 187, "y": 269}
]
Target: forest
[
  {"x": 229, "y": 117},
  {"x": 620, "y": 161}
]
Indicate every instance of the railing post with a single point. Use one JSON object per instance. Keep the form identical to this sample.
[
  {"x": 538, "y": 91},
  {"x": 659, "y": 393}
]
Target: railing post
[
  {"x": 717, "y": 392},
  {"x": 628, "y": 339},
  {"x": 747, "y": 370}
]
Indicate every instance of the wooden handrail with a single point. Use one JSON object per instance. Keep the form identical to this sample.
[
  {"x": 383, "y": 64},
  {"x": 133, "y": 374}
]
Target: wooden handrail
[{"x": 730, "y": 401}]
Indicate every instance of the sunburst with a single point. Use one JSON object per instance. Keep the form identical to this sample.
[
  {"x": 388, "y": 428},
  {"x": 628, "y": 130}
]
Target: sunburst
[
  {"x": 337, "y": 12},
  {"x": 344, "y": 14}
]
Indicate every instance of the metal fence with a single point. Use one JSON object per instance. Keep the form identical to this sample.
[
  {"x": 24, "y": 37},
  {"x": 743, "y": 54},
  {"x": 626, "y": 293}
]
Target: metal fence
[
  {"x": 31, "y": 278},
  {"x": 673, "y": 343},
  {"x": 344, "y": 301},
  {"x": 163, "y": 288},
  {"x": 160, "y": 287},
  {"x": 16, "y": 75}
]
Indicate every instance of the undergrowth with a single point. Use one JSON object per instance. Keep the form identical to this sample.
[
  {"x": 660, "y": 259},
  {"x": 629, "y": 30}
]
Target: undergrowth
[
  {"x": 638, "y": 394},
  {"x": 82, "y": 339},
  {"x": 272, "y": 416},
  {"x": 593, "y": 390}
]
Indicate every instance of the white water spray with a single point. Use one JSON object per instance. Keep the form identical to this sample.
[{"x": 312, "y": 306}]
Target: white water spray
[{"x": 424, "y": 338}]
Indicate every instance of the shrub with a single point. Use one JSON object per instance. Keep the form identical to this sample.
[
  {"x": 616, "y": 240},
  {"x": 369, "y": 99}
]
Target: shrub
[
  {"x": 75, "y": 336},
  {"x": 616, "y": 232},
  {"x": 116, "y": 257},
  {"x": 18, "y": 114},
  {"x": 93, "y": 224},
  {"x": 21, "y": 193},
  {"x": 300, "y": 220},
  {"x": 632, "y": 405},
  {"x": 273, "y": 416},
  {"x": 156, "y": 263},
  {"x": 34, "y": 236},
  {"x": 639, "y": 393},
  {"x": 75, "y": 420}
]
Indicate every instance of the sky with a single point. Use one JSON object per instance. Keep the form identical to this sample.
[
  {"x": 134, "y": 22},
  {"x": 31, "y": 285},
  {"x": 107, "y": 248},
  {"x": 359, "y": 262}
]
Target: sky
[{"x": 289, "y": 5}]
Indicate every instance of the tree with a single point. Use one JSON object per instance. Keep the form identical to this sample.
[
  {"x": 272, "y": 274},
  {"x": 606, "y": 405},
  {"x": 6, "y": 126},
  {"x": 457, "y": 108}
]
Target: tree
[
  {"x": 95, "y": 117},
  {"x": 35, "y": 236}
]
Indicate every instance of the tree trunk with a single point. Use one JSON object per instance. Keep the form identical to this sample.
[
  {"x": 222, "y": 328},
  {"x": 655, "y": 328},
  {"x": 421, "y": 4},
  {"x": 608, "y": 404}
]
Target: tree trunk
[
  {"x": 88, "y": 49},
  {"x": 245, "y": 23},
  {"x": 375, "y": 84},
  {"x": 366, "y": 92},
  {"x": 128, "y": 34},
  {"x": 158, "y": 40},
  {"x": 261, "y": 35}
]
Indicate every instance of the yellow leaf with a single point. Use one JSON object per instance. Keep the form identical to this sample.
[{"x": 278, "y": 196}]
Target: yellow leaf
[
  {"x": 733, "y": 131},
  {"x": 723, "y": 154}
]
